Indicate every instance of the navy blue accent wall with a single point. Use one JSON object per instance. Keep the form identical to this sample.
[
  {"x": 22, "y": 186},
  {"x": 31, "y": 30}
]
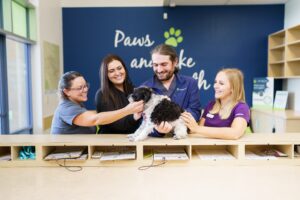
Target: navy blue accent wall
[{"x": 213, "y": 37}]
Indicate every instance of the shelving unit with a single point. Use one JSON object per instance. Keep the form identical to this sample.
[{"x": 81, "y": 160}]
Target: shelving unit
[
  {"x": 45, "y": 144},
  {"x": 279, "y": 121},
  {"x": 276, "y": 54},
  {"x": 284, "y": 53},
  {"x": 4, "y": 152}
]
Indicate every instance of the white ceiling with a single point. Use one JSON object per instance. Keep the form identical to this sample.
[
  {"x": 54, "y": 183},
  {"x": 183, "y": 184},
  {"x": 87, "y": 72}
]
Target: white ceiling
[
  {"x": 221, "y": 2},
  {"x": 129, "y": 3}
]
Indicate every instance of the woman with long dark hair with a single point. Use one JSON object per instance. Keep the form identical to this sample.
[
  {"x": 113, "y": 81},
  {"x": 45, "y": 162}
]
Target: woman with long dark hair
[{"x": 115, "y": 88}]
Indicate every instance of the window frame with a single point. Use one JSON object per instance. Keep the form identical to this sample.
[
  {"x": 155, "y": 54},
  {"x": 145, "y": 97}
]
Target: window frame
[
  {"x": 3, "y": 88},
  {"x": 4, "y": 104}
]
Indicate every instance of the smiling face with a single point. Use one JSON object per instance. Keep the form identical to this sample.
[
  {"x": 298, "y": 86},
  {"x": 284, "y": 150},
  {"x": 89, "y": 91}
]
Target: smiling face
[
  {"x": 78, "y": 90},
  {"x": 163, "y": 67},
  {"x": 116, "y": 73},
  {"x": 222, "y": 87}
]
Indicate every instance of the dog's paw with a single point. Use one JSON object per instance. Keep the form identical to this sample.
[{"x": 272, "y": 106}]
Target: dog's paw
[
  {"x": 131, "y": 137},
  {"x": 135, "y": 139},
  {"x": 139, "y": 138},
  {"x": 178, "y": 137}
]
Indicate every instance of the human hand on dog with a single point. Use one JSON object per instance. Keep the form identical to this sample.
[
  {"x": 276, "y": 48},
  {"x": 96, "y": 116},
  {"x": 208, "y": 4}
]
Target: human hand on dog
[
  {"x": 164, "y": 127},
  {"x": 135, "y": 107},
  {"x": 189, "y": 121},
  {"x": 137, "y": 116}
]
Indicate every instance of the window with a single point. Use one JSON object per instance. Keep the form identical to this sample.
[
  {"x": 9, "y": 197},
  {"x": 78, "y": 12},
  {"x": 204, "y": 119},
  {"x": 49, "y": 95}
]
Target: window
[
  {"x": 19, "y": 19},
  {"x": 17, "y": 84},
  {"x": 17, "y": 31},
  {"x": 3, "y": 90}
]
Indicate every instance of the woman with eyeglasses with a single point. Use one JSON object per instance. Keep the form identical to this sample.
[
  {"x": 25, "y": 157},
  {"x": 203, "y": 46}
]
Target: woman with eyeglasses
[
  {"x": 115, "y": 88},
  {"x": 71, "y": 117}
]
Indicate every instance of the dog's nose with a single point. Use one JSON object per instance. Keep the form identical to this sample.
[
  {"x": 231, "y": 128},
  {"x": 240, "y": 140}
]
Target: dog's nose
[{"x": 135, "y": 97}]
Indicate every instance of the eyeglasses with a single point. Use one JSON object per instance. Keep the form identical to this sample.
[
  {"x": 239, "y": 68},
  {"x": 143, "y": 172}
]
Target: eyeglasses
[{"x": 80, "y": 89}]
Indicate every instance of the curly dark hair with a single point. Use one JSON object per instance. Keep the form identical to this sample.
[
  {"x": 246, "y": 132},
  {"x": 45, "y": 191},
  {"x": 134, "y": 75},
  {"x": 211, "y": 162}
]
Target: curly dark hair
[{"x": 166, "y": 110}]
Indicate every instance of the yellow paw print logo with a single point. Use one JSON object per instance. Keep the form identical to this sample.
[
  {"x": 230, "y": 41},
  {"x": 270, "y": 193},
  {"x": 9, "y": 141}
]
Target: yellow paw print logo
[{"x": 173, "y": 37}]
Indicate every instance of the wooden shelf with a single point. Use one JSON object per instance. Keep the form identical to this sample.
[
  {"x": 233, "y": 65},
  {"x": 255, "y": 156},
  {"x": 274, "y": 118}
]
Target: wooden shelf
[
  {"x": 267, "y": 120},
  {"x": 293, "y": 34},
  {"x": 44, "y": 144},
  {"x": 285, "y": 77},
  {"x": 277, "y": 39},
  {"x": 294, "y": 60},
  {"x": 279, "y": 47},
  {"x": 297, "y": 42},
  {"x": 284, "y": 53},
  {"x": 277, "y": 62},
  {"x": 276, "y": 70}
]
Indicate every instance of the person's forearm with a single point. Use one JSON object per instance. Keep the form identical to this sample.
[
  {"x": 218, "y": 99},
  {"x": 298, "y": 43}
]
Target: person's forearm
[
  {"x": 103, "y": 118},
  {"x": 219, "y": 133}
]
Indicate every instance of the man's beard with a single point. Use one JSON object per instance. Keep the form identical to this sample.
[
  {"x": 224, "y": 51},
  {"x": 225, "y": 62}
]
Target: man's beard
[{"x": 167, "y": 76}]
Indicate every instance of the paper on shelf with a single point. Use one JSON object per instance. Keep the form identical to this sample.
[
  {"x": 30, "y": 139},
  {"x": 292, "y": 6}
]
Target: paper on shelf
[
  {"x": 214, "y": 154},
  {"x": 252, "y": 156},
  {"x": 5, "y": 157},
  {"x": 170, "y": 154},
  {"x": 63, "y": 152},
  {"x": 280, "y": 100},
  {"x": 117, "y": 156},
  {"x": 97, "y": 154}
]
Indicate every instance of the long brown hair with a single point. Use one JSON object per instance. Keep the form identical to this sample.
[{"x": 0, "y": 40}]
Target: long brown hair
[
  {"x": 109, "y": 91},
  {"x": 236, "y": 80}
]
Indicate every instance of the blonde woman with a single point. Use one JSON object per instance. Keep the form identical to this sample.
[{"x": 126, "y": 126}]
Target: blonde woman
[{"x": 228, "y": 115}]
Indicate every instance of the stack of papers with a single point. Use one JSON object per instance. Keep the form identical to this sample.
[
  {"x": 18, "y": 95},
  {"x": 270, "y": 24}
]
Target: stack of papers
[
  {"x": 170, "y": 154},
  {"x": 258, "y": 156},
  {"x": 63, "y": 152},
  {"x": 5, "y": 157},
  {"x": 271, "y": 152},
  {"x": 214, "y": 154},
  {"x": 97, "y": 154},
  {"x": 83, "y": 156},
  {"x": 106, "y": 156}
]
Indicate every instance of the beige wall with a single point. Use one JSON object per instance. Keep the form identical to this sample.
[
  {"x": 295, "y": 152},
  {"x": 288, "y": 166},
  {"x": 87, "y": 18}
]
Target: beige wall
[{"x": 49, "y": 28}]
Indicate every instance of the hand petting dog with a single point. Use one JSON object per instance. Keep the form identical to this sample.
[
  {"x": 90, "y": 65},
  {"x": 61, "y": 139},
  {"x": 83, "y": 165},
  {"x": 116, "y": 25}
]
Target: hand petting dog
[{"x": 189, "y": 121}]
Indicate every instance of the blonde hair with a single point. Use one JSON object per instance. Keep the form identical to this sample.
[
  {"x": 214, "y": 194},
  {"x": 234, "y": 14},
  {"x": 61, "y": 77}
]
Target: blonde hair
[{"x": 236, "y": 80}]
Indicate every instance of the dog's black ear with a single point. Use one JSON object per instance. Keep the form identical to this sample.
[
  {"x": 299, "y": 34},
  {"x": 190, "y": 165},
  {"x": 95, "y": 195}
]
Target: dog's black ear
[
  {"x": 147, "y": 95},
  {"x": 147, "y": 88}
]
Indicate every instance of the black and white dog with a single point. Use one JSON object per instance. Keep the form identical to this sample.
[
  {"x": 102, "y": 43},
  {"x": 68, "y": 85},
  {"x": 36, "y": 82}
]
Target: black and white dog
[{"x": 157, "y": 108}]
